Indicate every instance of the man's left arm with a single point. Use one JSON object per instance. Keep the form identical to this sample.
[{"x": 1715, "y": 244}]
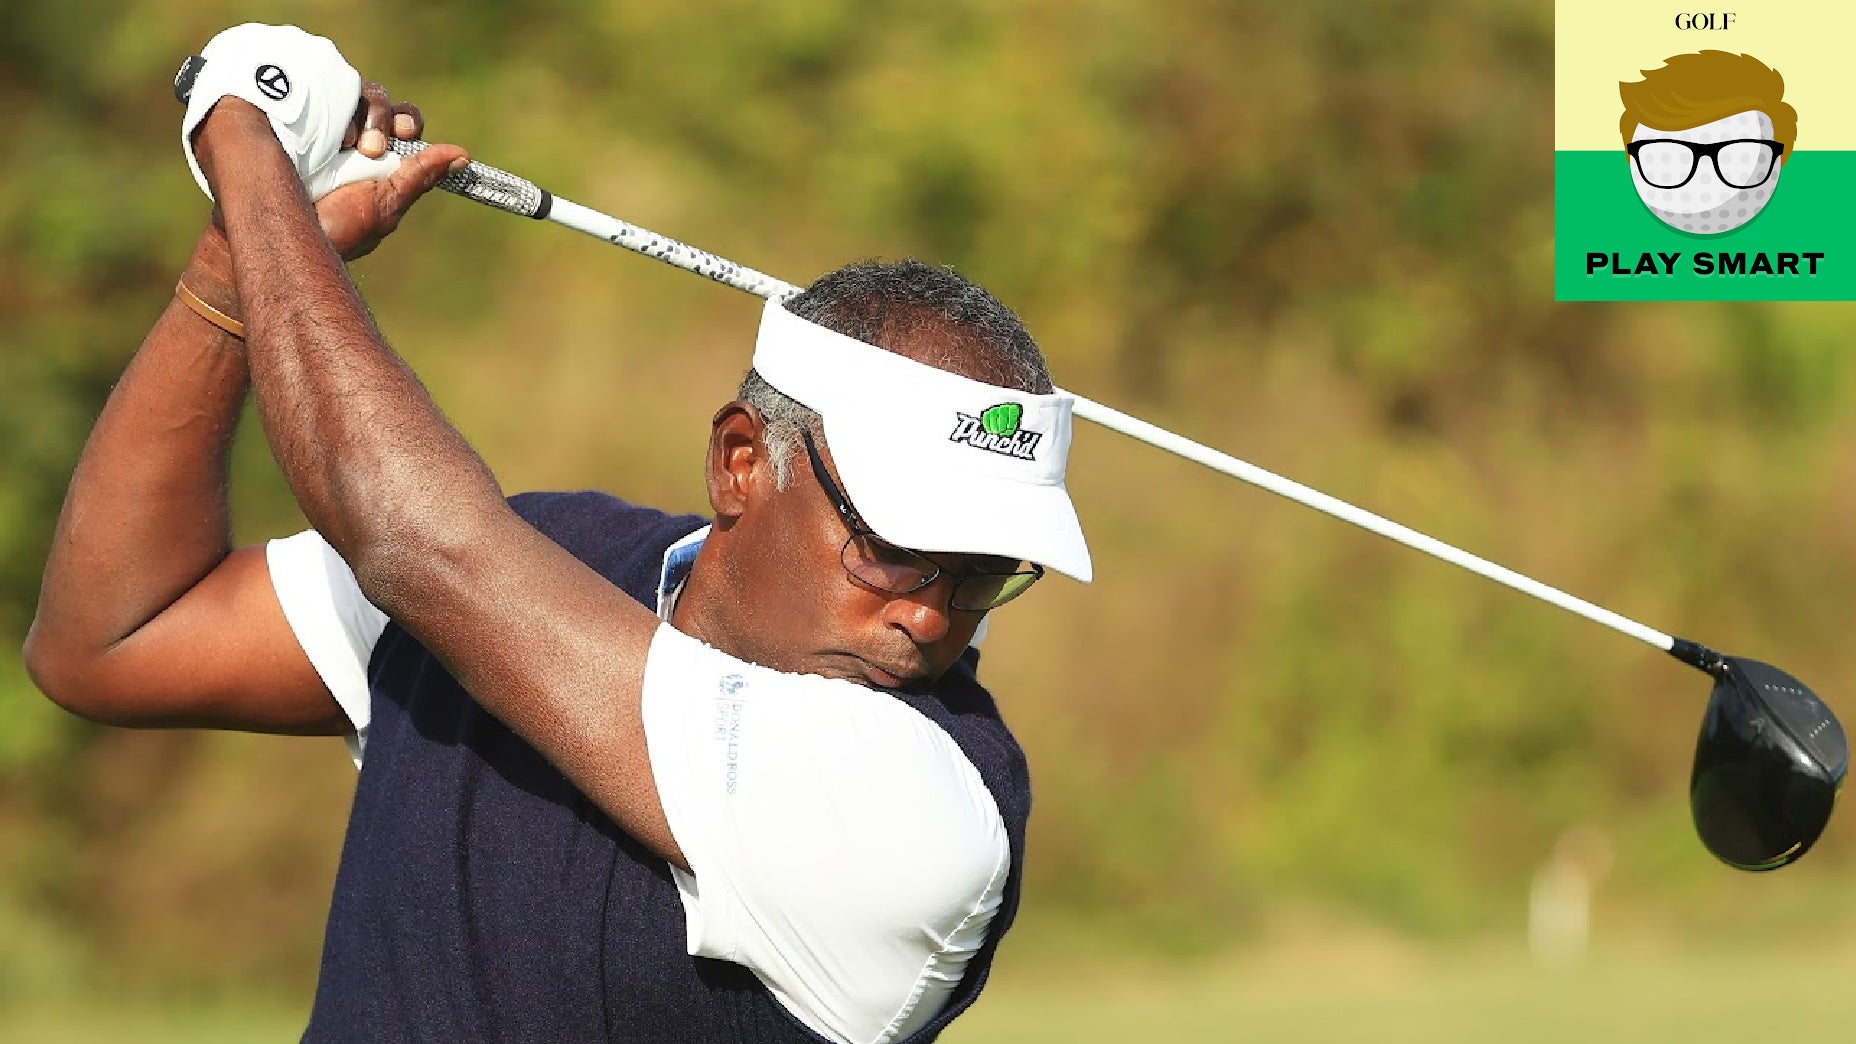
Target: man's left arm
[{"x": 538, "y": 638}]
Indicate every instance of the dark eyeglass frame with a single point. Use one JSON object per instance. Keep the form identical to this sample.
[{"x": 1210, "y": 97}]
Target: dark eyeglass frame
[
  {"x": 930, "y": 569},
  {"x": 1698, "y": 151}
]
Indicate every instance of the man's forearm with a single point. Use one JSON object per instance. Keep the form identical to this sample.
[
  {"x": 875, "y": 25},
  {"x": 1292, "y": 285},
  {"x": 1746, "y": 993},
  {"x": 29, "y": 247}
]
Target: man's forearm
[
  {"x": 370, "y": 459},
  {"x": 146, "y": 513}
]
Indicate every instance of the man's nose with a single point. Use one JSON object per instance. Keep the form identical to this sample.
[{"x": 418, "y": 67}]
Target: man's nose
[{"x": 924, "y": 615}]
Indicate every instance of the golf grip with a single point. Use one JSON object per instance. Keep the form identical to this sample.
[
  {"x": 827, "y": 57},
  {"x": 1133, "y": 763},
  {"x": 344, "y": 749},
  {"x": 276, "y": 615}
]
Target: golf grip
[
  {"x": 507, "y": 192},
  {"x": 491, "y": 186}
]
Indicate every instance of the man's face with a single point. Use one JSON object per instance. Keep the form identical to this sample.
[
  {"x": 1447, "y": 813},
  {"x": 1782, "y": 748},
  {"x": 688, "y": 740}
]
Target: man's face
[
  {"x": 1711, "y": 200},
  {"x": 781, "y": 597}
]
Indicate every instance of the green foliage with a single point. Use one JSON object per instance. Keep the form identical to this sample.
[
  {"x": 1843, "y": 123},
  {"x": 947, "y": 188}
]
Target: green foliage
[{"x": 1316, "y": 235}]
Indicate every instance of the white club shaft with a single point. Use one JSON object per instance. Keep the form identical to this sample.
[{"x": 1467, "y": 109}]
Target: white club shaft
[
  {"x": 1224, "y": 463},
  {"x": 501, "y": 189},
  {"x": 670, "y": 251}
]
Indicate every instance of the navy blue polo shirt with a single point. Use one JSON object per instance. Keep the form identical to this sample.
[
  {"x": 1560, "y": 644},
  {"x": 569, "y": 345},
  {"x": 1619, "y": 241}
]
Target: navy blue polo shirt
[{"x": 481, "y": 897}]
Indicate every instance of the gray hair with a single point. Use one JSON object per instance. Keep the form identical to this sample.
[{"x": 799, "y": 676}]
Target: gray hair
[
  {"x": 785, "y": 420},
  {"x": 870, "y": 300}
]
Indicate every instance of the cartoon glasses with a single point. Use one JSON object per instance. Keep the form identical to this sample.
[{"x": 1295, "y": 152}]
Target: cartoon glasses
[{"x": 1743, "y": 163}]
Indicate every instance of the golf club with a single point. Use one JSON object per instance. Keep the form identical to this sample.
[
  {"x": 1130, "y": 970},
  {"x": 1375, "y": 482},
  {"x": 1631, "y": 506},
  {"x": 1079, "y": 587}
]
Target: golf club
[{"x": 1770, "y": 757}]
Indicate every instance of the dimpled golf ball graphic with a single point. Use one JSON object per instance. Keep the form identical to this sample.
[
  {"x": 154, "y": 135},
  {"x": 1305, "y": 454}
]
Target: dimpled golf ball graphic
[{"x": 1684, "y": 188}]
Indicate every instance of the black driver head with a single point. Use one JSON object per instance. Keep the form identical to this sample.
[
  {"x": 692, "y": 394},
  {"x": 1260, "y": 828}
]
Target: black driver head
[{"x": 1768, "y": 764}]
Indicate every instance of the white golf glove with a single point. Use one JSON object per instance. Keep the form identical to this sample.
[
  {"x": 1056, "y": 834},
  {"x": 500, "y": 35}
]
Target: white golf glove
[{"x": 303, "y": 84}]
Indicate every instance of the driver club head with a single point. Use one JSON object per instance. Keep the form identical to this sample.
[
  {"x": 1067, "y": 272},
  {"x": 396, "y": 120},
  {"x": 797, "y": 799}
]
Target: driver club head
[{"x": 1768, "y": 764}]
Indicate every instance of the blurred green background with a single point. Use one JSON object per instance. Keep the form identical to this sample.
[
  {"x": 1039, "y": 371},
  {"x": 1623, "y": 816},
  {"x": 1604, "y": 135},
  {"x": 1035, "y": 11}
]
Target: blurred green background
[{"x": 1293, "y": 782}]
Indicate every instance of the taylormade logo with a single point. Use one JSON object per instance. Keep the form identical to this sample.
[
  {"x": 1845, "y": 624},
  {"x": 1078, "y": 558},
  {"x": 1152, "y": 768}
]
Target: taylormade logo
[{"x": 996, "y": 429}]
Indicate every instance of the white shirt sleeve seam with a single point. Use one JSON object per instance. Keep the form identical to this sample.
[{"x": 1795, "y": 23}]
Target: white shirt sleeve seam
[{"x": 1001, "y": 867}]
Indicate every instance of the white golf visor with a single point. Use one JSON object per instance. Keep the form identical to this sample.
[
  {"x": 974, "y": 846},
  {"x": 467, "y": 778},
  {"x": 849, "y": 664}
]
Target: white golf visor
[{"x": 932, "y": 460}]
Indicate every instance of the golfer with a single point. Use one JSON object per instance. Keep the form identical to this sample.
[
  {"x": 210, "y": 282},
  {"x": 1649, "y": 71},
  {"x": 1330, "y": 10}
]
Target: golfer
[{"x": 625, "y": 776}]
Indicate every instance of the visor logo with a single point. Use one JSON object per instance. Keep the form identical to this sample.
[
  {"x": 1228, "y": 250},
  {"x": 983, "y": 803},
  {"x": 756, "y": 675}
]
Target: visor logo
[{"x": 996, "y": 430}]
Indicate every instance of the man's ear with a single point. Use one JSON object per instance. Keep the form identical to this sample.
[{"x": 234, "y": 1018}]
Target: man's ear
[{"x": 736, "y": 453}]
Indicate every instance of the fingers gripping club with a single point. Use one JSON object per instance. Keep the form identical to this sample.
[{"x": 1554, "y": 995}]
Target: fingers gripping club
[{"x": 303, "y": 86}]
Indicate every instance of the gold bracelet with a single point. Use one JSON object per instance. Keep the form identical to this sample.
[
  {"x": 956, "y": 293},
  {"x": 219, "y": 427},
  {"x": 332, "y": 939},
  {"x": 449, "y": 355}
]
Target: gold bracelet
[{"x": 208, "y": 312}]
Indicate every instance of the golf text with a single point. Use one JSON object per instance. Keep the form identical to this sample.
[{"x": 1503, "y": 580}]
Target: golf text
[{"x": 1705, "y": 263}]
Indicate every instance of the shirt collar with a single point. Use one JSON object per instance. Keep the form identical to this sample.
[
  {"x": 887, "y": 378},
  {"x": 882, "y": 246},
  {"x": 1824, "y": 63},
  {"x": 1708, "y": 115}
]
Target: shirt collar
[{"x": 679, "y": 559}]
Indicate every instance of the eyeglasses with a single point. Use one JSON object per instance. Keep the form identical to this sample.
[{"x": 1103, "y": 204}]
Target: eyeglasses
[
  {"x": 1743, "y": 163},
  {"x": 877, "y": 563}
]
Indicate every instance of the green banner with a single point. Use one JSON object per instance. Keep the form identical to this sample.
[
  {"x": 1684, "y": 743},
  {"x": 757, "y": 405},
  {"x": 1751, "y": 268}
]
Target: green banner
[{"x": 1608, "y": 246}]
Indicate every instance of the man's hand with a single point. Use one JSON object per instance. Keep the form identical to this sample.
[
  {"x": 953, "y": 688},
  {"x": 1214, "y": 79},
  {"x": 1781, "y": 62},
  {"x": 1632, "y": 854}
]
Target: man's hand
[
  {"x": 305, "y": 88},
  {"x": 357, "y": 216}
]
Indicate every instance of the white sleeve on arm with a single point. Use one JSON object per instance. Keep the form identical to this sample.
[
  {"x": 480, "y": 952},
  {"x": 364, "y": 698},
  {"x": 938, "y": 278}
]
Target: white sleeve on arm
[
  {"x": 334, "y": 623},
  {"x": 841, "y": 845}
]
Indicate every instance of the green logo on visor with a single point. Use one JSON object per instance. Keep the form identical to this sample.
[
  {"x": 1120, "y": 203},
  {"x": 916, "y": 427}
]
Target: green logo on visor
[
  {"x": 996, "y": 429},
  {"x": 1002, "y": 420}
]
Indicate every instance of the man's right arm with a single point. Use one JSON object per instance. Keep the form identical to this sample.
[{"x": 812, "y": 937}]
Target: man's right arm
[{"x": 147, "y": 615}]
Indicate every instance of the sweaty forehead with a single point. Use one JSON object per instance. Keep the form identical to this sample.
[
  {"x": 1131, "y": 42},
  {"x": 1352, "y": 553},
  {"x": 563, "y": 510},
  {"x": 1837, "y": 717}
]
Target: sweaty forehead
[{"x": 1749, "y": 124}]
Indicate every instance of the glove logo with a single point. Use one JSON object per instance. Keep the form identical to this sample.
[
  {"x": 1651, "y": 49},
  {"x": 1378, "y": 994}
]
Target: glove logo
[{"x": 273, "y": 82}]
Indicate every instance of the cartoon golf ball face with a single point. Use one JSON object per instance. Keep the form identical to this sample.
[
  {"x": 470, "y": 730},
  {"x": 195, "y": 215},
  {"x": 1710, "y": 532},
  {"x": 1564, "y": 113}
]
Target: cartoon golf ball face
[
  {"x": 1706, "y": 137},
  {"x": 1708, "y": 179}
]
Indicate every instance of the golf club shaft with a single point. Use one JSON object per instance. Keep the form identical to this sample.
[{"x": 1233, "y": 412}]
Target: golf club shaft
[
  {"x": 492, "y": 186},
  {"x": 505, "y": 191},
  {"x": 1225, "y": 464},
  {"x": 498, "y": 188}
]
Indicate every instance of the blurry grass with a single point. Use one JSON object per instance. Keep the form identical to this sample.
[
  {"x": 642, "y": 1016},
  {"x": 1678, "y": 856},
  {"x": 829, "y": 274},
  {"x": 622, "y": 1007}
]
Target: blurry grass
[
  {"x": 101, "y": 1023},
  {"x": 1392, "y": 996},
  {"x": 1348, "y": 992}
]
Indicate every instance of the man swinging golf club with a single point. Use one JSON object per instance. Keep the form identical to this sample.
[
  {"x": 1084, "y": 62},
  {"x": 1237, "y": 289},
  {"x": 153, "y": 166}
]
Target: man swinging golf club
[{"x": 625, "y": 776}]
